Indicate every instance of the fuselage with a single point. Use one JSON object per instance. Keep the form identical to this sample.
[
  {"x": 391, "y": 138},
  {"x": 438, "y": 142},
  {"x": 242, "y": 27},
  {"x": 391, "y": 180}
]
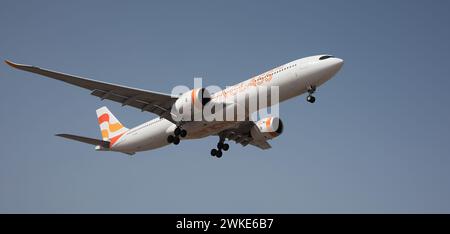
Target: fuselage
[{"x": 292, "y": 79}]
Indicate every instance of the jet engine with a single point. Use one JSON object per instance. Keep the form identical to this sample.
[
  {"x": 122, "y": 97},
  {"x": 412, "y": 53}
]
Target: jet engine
[
  {"x": 191, "y": 102},
  {"x": 270, "y": 127}
]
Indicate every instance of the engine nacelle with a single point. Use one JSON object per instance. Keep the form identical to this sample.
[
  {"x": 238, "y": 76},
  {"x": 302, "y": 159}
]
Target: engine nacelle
[
  {"x": 270, "y": 127},
  {"x": 191, "y": 102}
]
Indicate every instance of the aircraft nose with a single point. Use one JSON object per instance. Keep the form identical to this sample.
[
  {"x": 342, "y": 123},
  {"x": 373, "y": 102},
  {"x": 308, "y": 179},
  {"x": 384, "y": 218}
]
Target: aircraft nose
[
  {"x": 337, "y": 64},
  {"x": 332, "y": 66}
]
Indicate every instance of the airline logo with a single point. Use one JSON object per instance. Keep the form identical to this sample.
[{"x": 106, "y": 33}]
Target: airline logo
[{"x": 110, "y": 127}]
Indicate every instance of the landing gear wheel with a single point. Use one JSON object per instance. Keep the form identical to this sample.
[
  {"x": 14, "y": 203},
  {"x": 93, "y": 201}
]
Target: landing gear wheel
[
  {"x": 170, "y": 139},
  {"x": 225, "y": 147},
  {"x": 214, "y": 152},
  {"x": 310, "y": 99},
  {"x": 219, "y": 153},
  {"x": 183, "y": 133},
  {"x": 176, "y": 140},
  {"x": 177, "y": 131},
  {"x": 220, "y": 145}
]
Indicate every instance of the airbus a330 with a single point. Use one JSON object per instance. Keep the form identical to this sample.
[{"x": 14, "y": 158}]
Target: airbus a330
[{"x": 292, "y": 79}]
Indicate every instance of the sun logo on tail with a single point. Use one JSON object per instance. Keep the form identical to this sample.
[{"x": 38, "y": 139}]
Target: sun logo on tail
[{"x": 110, "y": 127}]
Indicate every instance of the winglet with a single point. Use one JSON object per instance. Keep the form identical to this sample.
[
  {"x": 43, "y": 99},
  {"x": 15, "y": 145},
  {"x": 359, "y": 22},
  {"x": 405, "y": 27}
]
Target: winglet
[
  {"x": 14, "y": 65},
  {"x": 23, "y": 67}
]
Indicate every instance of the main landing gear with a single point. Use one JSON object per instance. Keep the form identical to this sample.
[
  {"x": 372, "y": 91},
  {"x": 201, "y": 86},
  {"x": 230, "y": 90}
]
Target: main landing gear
[
  {"x": 220, "y": 146},
  {"x": 310, "y": 98},
  {"x": 175, "y": 139}
]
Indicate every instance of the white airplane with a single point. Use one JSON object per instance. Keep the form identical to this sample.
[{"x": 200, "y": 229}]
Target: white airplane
[{"x": 292, "y": 79}]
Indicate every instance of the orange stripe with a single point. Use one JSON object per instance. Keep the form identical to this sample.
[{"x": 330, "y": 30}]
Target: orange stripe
[
  {"x": 105, "y": 134},
  {"x": 115, "y": 127},
  {"x": 114, "y": 139},
  {"x": 193, "y": 96},
  {"x": 103, "y": 118},
  {"x": 268, "y": 123},
  {"x": 273, "y": 134}
]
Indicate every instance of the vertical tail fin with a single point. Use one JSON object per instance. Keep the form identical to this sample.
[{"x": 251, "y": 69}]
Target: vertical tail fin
[{"x": 110, "y": 127}]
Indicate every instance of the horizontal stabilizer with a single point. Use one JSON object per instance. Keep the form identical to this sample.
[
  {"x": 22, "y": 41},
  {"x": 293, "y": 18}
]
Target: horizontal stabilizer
[{"x": 87, "y": 140}]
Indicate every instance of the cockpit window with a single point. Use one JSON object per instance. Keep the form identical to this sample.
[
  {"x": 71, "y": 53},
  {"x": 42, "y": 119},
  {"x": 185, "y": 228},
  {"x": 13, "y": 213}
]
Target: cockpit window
[{"x": 326, "y": 57}]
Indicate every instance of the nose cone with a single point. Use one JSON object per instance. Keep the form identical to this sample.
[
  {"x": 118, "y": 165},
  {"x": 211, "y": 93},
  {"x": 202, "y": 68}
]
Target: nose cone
[
  {"x": 336, "y": 64},
  {"x": 331, "y": 66},
  {"x": 326, "y": 69}
]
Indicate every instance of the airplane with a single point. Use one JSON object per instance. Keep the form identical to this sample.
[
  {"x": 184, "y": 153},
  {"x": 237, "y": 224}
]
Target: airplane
[{"x": 295, "y": 78}]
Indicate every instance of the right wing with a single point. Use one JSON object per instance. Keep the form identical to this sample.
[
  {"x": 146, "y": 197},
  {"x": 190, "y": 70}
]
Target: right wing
[{"x": 157, "y": 103}]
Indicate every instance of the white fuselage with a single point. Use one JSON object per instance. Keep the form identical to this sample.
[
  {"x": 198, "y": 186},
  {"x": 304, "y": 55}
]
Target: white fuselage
[{"x": 292, "y": 79}]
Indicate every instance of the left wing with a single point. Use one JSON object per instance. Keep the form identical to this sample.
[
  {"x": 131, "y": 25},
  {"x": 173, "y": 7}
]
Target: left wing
[
  {"x": 157, "y": 103},
  {"x": 242, "y": 134}
]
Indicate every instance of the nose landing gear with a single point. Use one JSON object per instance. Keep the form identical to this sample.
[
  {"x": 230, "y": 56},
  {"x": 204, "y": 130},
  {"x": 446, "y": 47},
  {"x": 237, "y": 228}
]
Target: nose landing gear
[{"x": 310, "y": 98}]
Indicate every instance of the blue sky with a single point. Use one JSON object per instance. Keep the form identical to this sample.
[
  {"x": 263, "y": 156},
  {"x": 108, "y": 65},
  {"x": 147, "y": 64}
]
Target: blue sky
[{"x": 376, "y": 140}]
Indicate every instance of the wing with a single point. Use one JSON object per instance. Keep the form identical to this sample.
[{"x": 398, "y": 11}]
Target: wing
[
  {"x": 242, "y": 134},
  {"x": 157, "y": 103}
]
